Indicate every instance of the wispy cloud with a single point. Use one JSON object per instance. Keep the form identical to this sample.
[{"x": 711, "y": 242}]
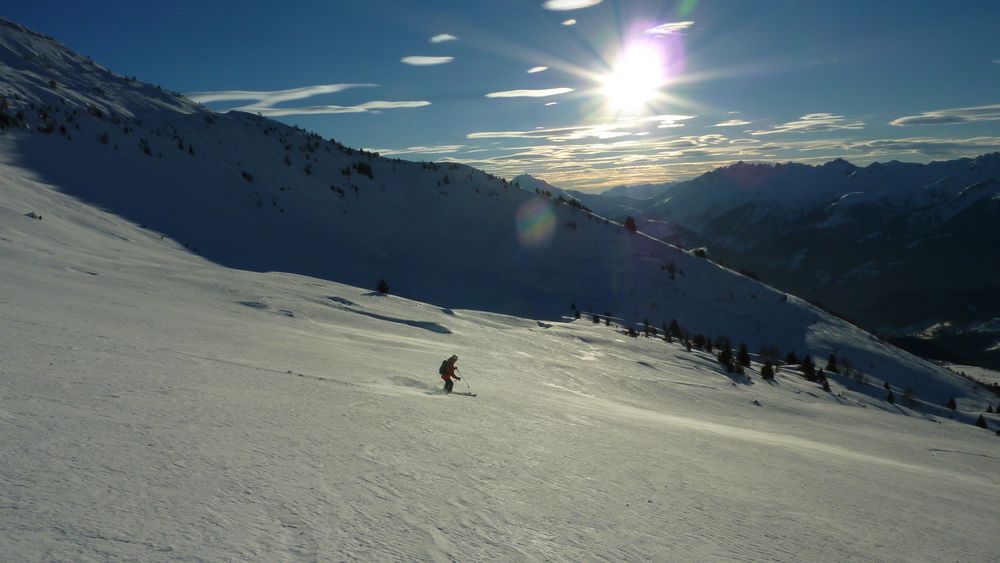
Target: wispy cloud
[
  {"x": 620, "y": 128},
  {"x": 951, "y": 116},
  {"x": 529, "y": 93},
  {"x": 930, "y": 146},
  {"x": 442, "y": 37},
  {"x": 569, "y": 22},
  {"x": 365, "y": 107},
  {"x": 535, "y": 69},
  {"x": 272, "y": 97},
  {"x": 732, "y": 123},
  {"x": 814, "y": 123},
  {"x": 264, "y": 102},
  {"x": 551, "y": 103},
  {"x": 564, "y": 5},
  {"x": 417, "y": 60},
  {"x": 670, "y": 28},
  {"x": 434, "y": 149}
]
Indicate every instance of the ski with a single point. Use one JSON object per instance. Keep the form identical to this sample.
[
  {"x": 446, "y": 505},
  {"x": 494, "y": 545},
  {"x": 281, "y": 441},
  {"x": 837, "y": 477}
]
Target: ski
[{"x": 464, "y": 394}]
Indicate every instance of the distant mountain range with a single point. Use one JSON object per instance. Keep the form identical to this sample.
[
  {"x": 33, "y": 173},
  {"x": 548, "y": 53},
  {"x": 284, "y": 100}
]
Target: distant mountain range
[
  {"x": 909, "y": 250},
  {"x": 641, "y": 191}
]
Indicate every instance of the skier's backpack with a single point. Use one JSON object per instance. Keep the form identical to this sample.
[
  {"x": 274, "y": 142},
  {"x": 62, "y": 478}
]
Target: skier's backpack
[{"x": 444, "y": 368}]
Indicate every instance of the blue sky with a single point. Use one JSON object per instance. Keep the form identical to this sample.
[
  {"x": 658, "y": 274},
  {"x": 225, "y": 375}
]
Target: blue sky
[{"x": 632, "y": 92}]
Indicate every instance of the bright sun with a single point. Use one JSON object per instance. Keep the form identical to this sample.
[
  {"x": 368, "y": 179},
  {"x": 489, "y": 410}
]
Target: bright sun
[{"x": 635, "y": 80}]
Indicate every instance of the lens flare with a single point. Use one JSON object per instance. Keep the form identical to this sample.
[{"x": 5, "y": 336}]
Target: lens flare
[{"x": 535, "y": 223}]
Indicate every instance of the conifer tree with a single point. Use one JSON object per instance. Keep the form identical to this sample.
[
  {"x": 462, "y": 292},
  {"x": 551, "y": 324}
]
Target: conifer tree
[
  {"x": 890, "y": 398},
  {"x": 675, "y": 329},
  {"x": 743, "y": 356},
  {"x": 981, "y": 422},
  {"x": 767, "y": 372},
  {"x": 808, "y": 368},
  {"x": 951, "y": 404},
  {"x": 831, "y": 363}
]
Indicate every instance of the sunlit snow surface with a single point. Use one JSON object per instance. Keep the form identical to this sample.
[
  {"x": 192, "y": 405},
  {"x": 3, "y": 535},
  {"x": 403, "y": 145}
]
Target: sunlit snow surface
[{"x": 156, "y": 406}]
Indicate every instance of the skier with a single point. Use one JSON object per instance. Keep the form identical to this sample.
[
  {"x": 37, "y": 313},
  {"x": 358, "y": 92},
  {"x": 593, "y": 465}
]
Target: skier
[{"x": 447, "y": 371}]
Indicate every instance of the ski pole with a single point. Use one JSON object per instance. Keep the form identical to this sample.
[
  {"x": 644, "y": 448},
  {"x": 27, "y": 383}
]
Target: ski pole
[{"x": 469, "y": 387}]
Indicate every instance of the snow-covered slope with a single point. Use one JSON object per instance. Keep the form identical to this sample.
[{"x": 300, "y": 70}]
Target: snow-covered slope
[{"x": 155, "y": 405}]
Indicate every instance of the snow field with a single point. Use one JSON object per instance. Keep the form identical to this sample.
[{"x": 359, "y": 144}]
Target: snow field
[{"x": 156, "y": 406}]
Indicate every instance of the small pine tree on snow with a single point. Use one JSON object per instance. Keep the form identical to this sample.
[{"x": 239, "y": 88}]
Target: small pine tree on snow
[
  {"x": 709, "y": 347},
  {"x": 831, "y": 363},
  {"x": 886, "y": 386},
  {"x": 576, "y": 314},
  {"x": 595, "y": 318},
  {"x": 791, "y": 359},
  {"x": 989, "y": 409},
  {"x": 981, "y": 422},
  {"x": 951, "y": 404},
  {"x": 767, "y": 372},
  {"x": 675, "y": 329},
  {"x": 382, "y": 287},
  {"x": 826, "y": 385},
  {"x": 890, "y": 398},
  {"x": 630, "y": 224},
  {"x": 808, "y": 368},
  {"x": 725, "y": 352},
  {"x": 743, "y": 356}
]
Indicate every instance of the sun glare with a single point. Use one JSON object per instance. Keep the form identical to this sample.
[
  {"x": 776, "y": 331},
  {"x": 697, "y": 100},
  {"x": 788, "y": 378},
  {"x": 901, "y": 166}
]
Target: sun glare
[{"x": 634, "y": 81}]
